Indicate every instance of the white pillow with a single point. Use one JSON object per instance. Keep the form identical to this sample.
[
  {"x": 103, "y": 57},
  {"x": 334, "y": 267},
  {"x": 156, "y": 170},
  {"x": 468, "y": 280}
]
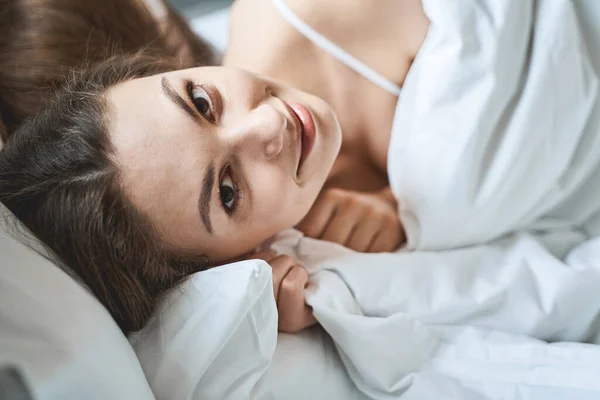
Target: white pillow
[
  {"x": 61, "y": 339},
  {"x": 214, "y": 337}
]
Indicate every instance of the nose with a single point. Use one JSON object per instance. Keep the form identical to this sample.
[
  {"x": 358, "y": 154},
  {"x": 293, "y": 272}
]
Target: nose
[{"x": 261, "y": 132}]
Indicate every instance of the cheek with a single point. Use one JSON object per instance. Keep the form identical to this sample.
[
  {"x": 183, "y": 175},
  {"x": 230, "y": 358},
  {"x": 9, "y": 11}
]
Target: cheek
[
  {"x": 277, "y": 204},
  {"x": 282, "y": 203}
]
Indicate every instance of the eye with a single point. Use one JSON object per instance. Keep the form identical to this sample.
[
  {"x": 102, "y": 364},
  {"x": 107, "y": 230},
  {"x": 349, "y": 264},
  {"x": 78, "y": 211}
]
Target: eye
[
  {"x": 227, "y": 192},
  {"x": 202, "y": 101}
]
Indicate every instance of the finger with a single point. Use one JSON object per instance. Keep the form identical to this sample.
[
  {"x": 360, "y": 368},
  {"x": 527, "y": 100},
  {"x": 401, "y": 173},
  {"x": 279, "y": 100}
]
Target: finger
[
  {"x": 315, "y": 222},
  {"x": 280, "y": 266},
  {"x": 386, "y": 240},
  {"x": 294, "y": 314},
  {"x": 305, "y": 319},
  {"x": 379, "y": 244},
  {"x": 364, "y": 234},
  {"x": 340, "y": 227}
]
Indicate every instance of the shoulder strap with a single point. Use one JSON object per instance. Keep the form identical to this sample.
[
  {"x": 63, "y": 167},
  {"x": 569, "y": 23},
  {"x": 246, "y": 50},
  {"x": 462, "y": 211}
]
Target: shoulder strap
[{"x": 334, "y": 50}]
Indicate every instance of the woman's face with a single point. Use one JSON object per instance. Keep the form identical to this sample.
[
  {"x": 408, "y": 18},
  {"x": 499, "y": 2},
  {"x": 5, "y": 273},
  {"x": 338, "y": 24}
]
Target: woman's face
[{"x": 219, "y": 158}]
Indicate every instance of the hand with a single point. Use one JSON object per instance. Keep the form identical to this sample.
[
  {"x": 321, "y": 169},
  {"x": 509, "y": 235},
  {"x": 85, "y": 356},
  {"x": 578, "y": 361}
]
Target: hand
[
  {"x": 365, "y": 222},
  {"x": 289, "y": 282}
]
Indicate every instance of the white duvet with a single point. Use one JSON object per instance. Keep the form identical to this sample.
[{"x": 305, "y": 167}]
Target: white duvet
[
  {"x": 495, "y": 160},
  {"x": 463, "y": 323},
  {"x": 495, "y": 154},
  {"x": 497, "y": 128}
]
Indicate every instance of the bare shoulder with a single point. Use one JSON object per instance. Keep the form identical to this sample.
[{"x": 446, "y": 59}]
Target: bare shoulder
[
  {"x": 261, "y": 40},
  {"x": 346, "y": 22},
  {"x": 258, "y": 18}
]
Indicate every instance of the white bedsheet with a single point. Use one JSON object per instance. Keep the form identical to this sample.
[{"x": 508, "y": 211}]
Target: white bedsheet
[{"x": 460, "y": 324}]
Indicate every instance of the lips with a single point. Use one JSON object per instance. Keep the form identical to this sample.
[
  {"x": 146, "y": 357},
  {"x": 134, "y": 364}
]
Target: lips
[{"x": 307, "y": 131}]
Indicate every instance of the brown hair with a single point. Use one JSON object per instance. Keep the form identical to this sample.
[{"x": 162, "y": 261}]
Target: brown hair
[
  {"x": 58, "y": 176},
  {"x": 57, "y": 170},
  {"x": 43, "y": 41}
]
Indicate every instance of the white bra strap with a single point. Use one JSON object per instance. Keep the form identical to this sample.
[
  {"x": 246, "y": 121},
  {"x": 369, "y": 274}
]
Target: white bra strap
[{"x": 328, "y": 46}]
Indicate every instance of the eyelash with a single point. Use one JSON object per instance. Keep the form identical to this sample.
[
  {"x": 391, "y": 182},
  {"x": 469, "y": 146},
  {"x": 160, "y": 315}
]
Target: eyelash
[
  {"x": 190, "y": 87},
  {"x": 238, "y": 193}
]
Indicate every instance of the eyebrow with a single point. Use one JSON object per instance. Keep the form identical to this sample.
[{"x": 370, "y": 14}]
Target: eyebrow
[
  {"x": 177, "y": 99},
  {"x": 204, "y": 201},
  {"x": 205, "y": 196}
]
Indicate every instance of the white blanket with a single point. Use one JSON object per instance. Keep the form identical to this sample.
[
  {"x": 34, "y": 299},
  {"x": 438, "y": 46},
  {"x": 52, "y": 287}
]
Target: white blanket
[
  {"x": 462, "y": 323},
  {"x": 497, "y": 128},
  {"x": 495, "y": 158}
]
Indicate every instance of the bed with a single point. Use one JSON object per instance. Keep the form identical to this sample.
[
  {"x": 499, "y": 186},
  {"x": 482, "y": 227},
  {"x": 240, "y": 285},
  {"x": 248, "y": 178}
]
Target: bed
[{"x": 514, "y": 318}]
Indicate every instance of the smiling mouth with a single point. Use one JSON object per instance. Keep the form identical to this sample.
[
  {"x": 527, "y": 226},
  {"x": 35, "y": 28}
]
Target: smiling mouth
[
  {"x": 306, "y": 132},
  {"x": 299, "y": 127}
]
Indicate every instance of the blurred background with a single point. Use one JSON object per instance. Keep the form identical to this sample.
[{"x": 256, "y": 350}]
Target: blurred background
[
  {"x": 208, "y": 18},
  {"x": 196, "y": 8}
]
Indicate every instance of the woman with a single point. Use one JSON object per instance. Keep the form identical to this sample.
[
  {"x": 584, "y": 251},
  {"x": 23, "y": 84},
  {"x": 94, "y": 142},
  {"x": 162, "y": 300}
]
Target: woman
[
  {"x": 139, "y": 172},
  {"x": 227, "y": 151}
]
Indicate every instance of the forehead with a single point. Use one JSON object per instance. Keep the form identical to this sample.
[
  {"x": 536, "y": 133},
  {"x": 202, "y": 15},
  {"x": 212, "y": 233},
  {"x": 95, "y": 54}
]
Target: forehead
[{"x": 159, "y": 149}]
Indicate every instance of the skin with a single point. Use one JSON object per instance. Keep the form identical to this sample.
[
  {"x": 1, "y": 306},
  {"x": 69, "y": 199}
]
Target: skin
[
  {"x": 249, "y": 137},
  {"x": 356, "y": 207},
  {"x": 342, "y": 195},
  {"x": 366, "y": 111},
  {"x": 290, "y": 279}
]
